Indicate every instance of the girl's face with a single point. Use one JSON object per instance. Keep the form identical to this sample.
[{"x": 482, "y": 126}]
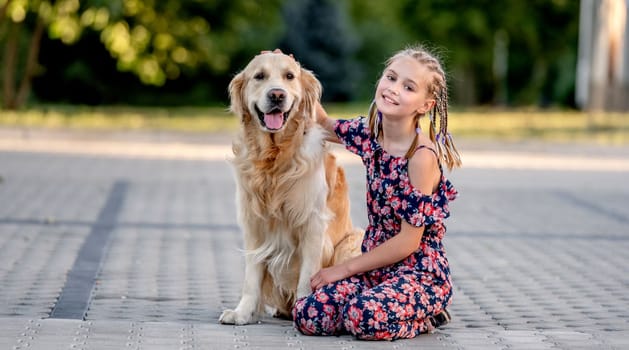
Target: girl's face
[{"x": 402, "y": 90}]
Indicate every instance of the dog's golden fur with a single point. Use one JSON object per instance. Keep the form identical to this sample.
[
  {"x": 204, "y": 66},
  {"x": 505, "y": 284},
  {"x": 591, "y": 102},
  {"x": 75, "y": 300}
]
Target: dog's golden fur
[{"x": 292, "y": 199}]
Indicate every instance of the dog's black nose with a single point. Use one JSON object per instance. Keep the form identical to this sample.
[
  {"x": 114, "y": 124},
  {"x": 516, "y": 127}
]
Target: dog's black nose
[{"x": 276, "y": 96}]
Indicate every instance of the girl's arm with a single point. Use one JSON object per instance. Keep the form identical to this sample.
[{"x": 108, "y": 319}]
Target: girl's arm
[
  {"x": 422, "y": 172},
  {"x": 393, "y": 250},
  {"x": 326, "y": 123}
]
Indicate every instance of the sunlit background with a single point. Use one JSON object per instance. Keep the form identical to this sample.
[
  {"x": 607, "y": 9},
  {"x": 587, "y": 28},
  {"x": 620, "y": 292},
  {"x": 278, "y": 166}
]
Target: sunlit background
[{"x": 558, "y": 55}]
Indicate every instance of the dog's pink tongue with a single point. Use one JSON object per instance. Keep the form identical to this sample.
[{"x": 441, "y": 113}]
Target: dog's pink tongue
[{"x": 273, "y": 120}]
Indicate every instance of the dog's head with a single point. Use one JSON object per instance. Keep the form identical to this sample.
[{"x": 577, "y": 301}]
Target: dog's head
[{"x": 272, "y": 89}]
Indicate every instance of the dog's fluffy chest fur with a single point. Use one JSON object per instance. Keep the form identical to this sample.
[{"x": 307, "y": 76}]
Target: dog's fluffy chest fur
[
  {"x": 278, "y": 191},
  {"x": 281, "y": 197}
]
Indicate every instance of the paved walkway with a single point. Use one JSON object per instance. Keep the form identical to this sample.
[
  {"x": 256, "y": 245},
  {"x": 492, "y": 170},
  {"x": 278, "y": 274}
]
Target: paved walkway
[{"x": 131, "y": 242}]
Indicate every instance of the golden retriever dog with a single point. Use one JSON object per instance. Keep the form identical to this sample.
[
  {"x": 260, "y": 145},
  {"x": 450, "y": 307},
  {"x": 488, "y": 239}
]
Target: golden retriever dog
[{"x": 292, "y": 198}]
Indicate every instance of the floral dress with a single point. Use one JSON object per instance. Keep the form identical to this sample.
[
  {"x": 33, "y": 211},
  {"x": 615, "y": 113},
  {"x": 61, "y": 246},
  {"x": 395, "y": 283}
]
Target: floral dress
[{"x": 394, "y": 301}]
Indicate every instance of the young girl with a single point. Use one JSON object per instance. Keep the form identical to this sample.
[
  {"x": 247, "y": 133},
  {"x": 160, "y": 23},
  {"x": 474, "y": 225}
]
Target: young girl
[{"x": 400, "y": 286}]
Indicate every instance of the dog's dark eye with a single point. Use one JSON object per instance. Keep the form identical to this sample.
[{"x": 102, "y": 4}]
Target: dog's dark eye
[
  {"x": 259, "y": 76},
  {"x": 290, "y": 76}
]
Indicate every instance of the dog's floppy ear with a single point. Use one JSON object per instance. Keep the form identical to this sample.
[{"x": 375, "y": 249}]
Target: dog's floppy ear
[
  {"x": 311, "y": 92},
  {"x": 236, "y": 91}
]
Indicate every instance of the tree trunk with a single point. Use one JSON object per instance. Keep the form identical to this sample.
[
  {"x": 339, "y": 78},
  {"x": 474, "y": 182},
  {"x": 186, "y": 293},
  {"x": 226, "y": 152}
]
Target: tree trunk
[
  {"x": 3, "y": 11},
  {"x": 31, "y": 64},
  {"x": 602, "y": 80},
  {"x": 9, "y": 63}
]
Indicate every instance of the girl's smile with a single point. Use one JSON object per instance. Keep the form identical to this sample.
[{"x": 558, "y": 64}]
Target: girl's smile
[{"x": 386, "y": 98}]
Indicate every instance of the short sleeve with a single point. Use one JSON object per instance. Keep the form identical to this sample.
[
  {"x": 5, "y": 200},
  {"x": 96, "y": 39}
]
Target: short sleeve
[
  {"x": 416, "y": 209},
  {"x": 424, "y": 210},
  {"x": 354, "y": 134}
]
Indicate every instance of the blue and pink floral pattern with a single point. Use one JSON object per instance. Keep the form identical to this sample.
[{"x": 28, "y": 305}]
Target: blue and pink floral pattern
[{"x": 394, "y": 301}]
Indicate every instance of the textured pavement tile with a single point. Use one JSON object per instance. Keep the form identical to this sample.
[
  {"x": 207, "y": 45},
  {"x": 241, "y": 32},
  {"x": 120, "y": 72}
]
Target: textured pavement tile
[{"x": 538, "y": 258}]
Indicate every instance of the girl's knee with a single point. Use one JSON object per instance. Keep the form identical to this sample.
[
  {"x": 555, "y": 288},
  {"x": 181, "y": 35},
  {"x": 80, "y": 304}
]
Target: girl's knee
[
  {"x": 356, "y": 318},
  {"x": 303, "y": 322},
  {"x": 366, "y": 320},
  {"x": 312, "y": 317}
]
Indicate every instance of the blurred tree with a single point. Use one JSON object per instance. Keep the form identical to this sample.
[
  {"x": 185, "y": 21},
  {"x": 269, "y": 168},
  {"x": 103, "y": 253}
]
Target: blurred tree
[
  {"x": 319, "y": 35},
  {"x": 381, "y": 34},
  {"x": 16, "y": 80},
  {"x": 155, "y": 40},
  {"x": 468, "y": 34},
  {"x": 158, "y": 39},
  {"x": 543, "y": 41},
  {"x": 183, "y": 52},
  {"x": 540, "y": 36}
]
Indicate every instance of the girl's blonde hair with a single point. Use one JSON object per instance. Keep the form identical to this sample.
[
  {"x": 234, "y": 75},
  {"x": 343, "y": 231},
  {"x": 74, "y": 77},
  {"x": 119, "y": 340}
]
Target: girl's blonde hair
[{"x": 437, "y": 87}]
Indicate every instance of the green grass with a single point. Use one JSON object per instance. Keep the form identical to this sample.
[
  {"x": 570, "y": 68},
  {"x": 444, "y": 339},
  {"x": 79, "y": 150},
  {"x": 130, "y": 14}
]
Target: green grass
[
  {"x": 561, "y": 126},
  {"x": 185, "y": 119},
  {"x": 555, "y": 125}
]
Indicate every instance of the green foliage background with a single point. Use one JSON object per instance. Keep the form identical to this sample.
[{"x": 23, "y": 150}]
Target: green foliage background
[{"x": 184, "y": 52}]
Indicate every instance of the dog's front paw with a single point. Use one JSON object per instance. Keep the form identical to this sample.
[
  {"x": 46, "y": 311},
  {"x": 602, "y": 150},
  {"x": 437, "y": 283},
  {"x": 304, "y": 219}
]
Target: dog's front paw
[{"x": 236, "y": 318}]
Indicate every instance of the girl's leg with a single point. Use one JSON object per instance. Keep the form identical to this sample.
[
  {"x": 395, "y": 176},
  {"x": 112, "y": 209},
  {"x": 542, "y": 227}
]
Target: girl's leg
[
  {"x": 397, "y": 308},
  {"x": 320, "y": 312}
]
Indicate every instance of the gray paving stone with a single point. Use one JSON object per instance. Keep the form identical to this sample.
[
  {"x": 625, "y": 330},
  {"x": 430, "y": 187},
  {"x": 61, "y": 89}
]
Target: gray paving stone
[{"x": 538, "y": 258}]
